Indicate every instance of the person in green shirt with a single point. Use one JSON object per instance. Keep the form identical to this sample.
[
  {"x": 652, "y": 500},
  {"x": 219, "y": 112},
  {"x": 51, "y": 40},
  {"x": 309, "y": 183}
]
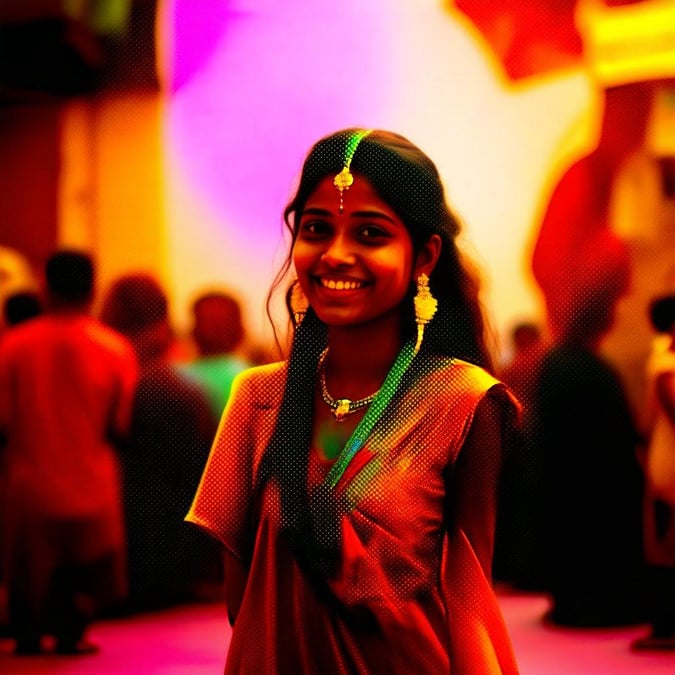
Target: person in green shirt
[{"x": 217, "y": 331}]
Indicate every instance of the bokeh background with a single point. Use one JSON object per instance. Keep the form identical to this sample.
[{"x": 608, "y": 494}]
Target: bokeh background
[{"x": 166, "y": 135}]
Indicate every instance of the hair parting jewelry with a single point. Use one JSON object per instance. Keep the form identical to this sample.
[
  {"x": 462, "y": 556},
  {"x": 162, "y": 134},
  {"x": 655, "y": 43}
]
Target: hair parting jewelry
[
  {"x": 340, "y": 407},
  {"x": 344, "y": 179},
  {"x": 425, "y": 307}
]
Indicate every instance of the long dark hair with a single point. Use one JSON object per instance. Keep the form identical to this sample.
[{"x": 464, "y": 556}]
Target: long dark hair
[
  {"x": 407, "y": 179},
  {"x": 409, "y": 182}
]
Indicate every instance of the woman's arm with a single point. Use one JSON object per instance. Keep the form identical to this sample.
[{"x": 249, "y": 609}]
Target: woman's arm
[
  {"x": 477, "y": 474},
  {"x": 223, "y": 499},
  {"x": 477, "y": 636}
]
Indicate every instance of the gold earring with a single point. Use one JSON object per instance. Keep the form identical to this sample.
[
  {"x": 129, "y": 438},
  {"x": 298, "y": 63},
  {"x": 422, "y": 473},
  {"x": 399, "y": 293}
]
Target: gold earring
[
  {"x": 425, "y": 307},
  {"x": 297, "y": 303}
]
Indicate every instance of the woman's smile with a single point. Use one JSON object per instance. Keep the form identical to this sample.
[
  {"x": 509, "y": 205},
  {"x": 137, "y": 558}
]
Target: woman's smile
[
  {"x": 356, "y": 266},
  {"x": 340, "y": 284}
]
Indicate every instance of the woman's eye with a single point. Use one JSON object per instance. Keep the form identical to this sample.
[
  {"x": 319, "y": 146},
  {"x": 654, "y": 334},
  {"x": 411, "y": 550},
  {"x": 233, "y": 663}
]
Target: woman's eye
[
  {"x": 313, "y": 227},
  {"x": 372, "y": 232}
]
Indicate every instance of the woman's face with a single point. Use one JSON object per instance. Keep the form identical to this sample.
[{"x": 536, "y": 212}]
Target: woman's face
[{"x": 354, "y": 267}]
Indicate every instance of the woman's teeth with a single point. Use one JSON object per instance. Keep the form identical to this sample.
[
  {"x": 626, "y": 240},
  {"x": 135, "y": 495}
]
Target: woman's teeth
[{"x": 340, "y": 285}]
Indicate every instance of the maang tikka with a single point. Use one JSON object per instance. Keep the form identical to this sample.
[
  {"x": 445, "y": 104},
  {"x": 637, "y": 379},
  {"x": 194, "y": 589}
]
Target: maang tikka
[
  {"x": 344, "y": 179},
  {"x": 425, "y": 307}
]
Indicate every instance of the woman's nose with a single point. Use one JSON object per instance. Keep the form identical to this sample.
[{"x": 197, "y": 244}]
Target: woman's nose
[{"x": 338, "y": 252}]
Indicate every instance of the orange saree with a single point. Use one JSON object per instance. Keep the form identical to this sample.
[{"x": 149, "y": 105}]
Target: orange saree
[{"x": 416, "y": 535}]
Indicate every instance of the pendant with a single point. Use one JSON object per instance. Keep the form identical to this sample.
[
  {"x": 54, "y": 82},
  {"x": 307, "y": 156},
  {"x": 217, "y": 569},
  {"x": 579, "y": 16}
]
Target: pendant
[{"x": 342, "y": 409}]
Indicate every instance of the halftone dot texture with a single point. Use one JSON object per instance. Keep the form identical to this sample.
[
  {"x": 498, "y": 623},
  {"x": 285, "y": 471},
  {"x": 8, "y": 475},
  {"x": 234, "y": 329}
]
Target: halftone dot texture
[
  {"x": 135, "y": 302},
  {"x": 166, "y": 451},
  {"x": 378, "y": 562},
  {"x": 413, "y": 522}
]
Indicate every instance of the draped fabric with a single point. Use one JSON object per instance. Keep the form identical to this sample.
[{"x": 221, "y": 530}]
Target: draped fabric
[{"x": 413, "y": 591}]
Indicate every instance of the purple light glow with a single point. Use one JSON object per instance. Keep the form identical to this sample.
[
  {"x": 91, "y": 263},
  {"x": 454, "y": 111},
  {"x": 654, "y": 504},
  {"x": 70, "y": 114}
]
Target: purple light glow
[
  {"x": 252, "y": 92},
  {"x": 255, "y": 82}
]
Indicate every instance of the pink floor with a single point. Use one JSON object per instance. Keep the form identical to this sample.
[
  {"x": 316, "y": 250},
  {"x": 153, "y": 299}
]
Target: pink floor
[{"x": 193, "y": 640}]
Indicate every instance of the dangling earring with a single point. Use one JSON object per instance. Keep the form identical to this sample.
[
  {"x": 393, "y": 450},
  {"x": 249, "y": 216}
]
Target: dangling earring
[
  {"x": 425, "y": 307},
  {"x": 297, "y": 303}
]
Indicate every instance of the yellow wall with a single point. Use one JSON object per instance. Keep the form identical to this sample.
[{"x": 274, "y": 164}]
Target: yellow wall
[{"x": 112, "y": 184}]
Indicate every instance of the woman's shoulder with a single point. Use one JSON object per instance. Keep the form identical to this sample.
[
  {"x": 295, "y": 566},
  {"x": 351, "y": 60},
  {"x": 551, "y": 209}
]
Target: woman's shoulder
[
  {"x": 452, "y": 384},
  {"x": 263, "y": 375},
  {"x": 444, "y": 372},
  {"x": 261, "y": 383}
]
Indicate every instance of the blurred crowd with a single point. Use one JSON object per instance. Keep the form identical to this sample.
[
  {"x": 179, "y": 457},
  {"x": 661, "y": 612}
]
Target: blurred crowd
[
  {"x": 107, "y": 414},
  {"x": 107, "y": 420},
  {"x": 588, "y": 498}
]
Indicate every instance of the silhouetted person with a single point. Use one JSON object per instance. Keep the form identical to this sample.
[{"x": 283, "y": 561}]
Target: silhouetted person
[
  {"x": 66, "y": 388},
  {"x": 515, "y": 537},
  {"x": 172, "y": 428},
  {"x": 660, "y": 478},
  {"x": 585, "y": 440},
  {"x": 21, "y": 306},
  {"x": 528, "y": 347},
  {"x": 590, "y": 480},
  {"x": 218, "y": 332}
]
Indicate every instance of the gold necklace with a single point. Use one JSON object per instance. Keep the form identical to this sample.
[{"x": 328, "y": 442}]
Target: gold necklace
[{"x": 340, "y": 407}]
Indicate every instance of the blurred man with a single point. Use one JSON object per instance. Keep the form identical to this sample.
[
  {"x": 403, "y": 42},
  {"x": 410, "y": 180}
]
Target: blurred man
[{"x": 66, "y": 391}]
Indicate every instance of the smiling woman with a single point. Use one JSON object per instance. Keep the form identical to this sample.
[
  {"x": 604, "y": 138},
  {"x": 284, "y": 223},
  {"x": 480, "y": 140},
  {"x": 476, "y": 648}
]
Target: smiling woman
[
  {"x": 354, "y": 264},
  {"x": 344, "y": 482}
]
